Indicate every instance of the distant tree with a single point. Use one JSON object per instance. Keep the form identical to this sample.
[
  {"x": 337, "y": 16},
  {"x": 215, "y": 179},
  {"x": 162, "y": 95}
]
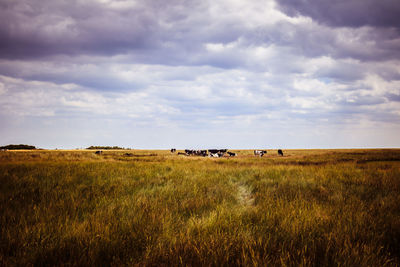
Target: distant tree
[{"x": 20, "y": 146}]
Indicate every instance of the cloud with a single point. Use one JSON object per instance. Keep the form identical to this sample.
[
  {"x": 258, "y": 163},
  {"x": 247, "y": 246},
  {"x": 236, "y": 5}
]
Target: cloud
[
  {"x": 226, "y": 72},
  {"x": 40, "y": 28},
  {"x": 177, "y": 33},
  {"x": 351, "y": 13}
]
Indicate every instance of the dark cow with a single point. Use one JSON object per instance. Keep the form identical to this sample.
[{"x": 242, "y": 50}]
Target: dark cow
[
  {"x": 202, "y": 153},
  {"x": 219, "y": 152},
  {"x": 280, "y": 152},
  {"x": 99, "y": 152},
  {"x": 231, "y": 154},
  {"x": 173, "y": 150},
  {"x": 128, "y": 154},
  {"x": 189, "y": 152},
  {"x": 260, "y": 152}
]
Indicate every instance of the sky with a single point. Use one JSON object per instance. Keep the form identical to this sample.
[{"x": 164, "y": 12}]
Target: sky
[{"x": 200, "y": 74}]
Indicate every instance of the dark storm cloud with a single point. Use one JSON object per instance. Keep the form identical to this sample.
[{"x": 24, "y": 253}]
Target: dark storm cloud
[
  {"x": 393, "y": 97},
  {"x": 351, "y": 13},
  {"x": 172, "y": 33},
  {"x": 371, "y": 33},
  {"x": 39, "y": 28},
  {"x": 150, "y": 31},
  {"x": 94, "y": 76},
  {"x": 314, "y": 40}
]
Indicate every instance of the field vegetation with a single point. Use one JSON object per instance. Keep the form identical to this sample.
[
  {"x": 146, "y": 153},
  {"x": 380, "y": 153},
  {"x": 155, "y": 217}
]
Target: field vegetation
[{"x": 154, "y": 208}]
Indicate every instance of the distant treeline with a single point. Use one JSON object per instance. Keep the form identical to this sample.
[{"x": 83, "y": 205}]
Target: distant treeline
[
  {"x": 105, "y": 147},
  {"x": 20, "y": 146}
]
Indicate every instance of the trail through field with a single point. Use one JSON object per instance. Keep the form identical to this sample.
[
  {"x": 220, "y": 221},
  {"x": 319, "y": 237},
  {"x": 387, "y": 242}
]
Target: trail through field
[{"x": 244, "y": 195}]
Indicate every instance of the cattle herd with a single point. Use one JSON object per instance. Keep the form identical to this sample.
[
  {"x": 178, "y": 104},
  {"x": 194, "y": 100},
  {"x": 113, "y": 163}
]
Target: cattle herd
[
  {"x": 217, "y": 153},
  {"x": 213, "y": 153}
]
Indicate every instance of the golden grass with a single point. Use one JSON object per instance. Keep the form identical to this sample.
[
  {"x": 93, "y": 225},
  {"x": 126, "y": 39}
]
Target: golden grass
[{"x": 154, "y": 208}]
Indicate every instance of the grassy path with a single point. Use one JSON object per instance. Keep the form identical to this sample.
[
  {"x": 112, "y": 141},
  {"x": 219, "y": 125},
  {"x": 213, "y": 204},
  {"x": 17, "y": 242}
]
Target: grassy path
[{"x": 244, "y": 195}]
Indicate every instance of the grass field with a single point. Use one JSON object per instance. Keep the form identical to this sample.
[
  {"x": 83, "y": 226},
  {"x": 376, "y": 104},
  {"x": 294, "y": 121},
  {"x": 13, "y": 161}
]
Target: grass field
[{"x": 154, "y": 208}]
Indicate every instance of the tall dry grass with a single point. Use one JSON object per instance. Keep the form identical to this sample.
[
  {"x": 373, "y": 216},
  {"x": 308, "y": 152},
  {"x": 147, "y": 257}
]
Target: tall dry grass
[{"x": 152, "y": 208}]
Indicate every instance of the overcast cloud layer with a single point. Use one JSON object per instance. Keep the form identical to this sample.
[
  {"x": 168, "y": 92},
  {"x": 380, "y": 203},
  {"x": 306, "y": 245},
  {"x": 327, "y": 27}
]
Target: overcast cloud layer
[{"x": 200, "y": 74}]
